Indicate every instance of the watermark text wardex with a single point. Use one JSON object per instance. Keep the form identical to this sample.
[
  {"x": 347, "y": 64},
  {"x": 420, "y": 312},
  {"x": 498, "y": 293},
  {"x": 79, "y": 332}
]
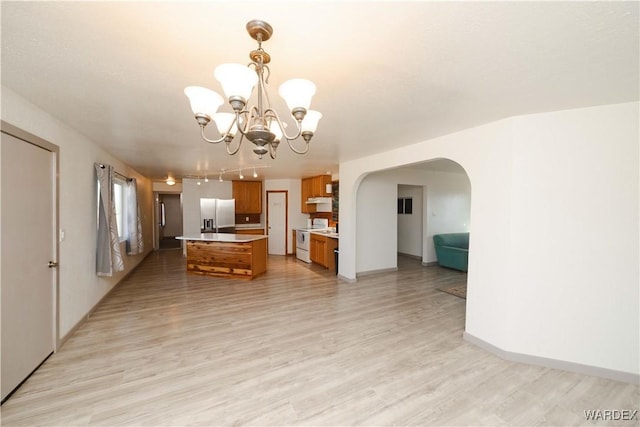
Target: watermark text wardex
[{"x": 611, "y": 414}]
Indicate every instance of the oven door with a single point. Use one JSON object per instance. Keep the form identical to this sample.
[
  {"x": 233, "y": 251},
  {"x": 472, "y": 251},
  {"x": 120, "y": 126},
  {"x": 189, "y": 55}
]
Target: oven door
[{"x": 302, "y": 240}]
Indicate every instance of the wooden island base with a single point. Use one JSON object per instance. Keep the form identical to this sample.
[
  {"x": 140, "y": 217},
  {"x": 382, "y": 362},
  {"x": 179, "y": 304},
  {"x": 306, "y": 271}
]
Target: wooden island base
[{"x": 239, "y": 259}]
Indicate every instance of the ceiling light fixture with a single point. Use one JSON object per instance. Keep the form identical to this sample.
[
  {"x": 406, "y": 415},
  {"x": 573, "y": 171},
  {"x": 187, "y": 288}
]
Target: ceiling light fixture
[
  {"x": 255, "y": 174},
  {"x": 259, "y": 123},
  {"x": 170, "y": 181}
]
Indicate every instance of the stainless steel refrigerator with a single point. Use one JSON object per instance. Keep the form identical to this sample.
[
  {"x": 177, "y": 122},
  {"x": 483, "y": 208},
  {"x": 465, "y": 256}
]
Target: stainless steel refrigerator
[{"x": 217, "y": 215}]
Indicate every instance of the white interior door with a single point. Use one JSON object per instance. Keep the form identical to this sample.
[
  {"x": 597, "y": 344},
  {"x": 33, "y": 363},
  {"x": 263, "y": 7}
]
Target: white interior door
[
  {"x": 277, "y": 222},
  {"x": 27, "y": 283}
]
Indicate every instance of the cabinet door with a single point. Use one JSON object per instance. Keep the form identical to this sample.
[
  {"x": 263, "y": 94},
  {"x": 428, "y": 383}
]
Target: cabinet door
[
  {"x": 305, "y": 193},
  {"x": 322, "y": 253},
  {"x": 248, "y": 195},
  {"x": 318, "y": 249},
  {"x": 313, "y": 249},
  {"x": 239, "y": 190},
  {"x": 253, "y": 202}
]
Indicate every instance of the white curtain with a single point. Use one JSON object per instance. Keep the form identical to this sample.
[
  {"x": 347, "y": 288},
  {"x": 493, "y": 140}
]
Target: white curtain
[
  {"x": 108, "y": 257},
  {"x": 135, "y": 244}
]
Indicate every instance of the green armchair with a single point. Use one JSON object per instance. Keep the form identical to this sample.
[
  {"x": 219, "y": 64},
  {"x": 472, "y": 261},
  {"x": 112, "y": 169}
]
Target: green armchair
[{"x": 452, "y": 250}]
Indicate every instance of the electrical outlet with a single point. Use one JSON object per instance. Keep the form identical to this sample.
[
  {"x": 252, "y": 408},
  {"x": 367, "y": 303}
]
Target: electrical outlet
[{"x": 246, "y": 219}]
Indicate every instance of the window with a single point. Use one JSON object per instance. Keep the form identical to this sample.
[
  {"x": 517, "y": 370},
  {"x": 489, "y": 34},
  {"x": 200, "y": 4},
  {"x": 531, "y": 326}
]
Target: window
[
  {"x": 119, "y": 200},
  {"x": 120, "y": 204},
  {"x": 405, "y": 205}
]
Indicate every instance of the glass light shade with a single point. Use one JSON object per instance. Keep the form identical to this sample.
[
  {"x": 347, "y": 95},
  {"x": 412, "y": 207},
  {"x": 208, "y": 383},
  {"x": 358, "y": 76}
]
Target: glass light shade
[
  {"x": 223, "y": 121},
  {"x": 203, "y": 100},
  {"x": 275, "y": 129},
  {"x": 236, "y": 80},
  {"x": 310, "y": 121},
  {"x": 297, "y": 93}
]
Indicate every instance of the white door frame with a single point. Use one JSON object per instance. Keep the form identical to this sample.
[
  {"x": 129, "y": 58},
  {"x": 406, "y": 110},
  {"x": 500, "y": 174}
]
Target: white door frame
[
  {"x": 30, "y": 138},
  {"x": 286, "y": 217}
]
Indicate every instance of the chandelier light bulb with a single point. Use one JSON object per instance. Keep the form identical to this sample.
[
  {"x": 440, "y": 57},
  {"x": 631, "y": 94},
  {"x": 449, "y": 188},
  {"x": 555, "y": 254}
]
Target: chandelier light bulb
[
  {"x": 310, "y": 122},
  {"x": 297, "y": 93},
  {"x": 237, "y": 80},
  {"x": 225, "y": 122},
  {"x": 203, "y": 100}
]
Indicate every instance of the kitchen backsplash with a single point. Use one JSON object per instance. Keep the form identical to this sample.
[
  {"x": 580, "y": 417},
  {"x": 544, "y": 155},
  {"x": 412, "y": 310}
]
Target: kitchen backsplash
[{"x": 247, "y": 218}]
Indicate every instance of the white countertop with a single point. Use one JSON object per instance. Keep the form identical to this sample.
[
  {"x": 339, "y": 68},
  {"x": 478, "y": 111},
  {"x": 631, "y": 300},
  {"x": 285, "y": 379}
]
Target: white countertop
[
  {"x": 242, "y": 226},
  {"x": 223, "y": 237},
  {"x": 330, "y": 234}
]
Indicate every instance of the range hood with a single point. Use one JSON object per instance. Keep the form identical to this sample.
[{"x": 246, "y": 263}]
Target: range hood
[
  {"x": 323, "y": 204},
  {"x": 318, "y": 200}
]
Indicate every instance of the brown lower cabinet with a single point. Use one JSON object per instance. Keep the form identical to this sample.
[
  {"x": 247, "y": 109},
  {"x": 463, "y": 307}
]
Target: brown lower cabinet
[
  {"x": 250, "y": 231},
  {"x": 321, "y": 250}
]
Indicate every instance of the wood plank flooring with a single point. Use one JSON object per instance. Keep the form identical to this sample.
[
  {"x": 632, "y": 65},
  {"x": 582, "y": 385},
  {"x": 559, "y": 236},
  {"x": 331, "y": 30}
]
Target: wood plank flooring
[{"x": 294, "y": 347}]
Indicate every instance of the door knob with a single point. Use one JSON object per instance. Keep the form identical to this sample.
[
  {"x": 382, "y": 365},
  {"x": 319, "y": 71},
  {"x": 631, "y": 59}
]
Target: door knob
[{"x": 52, "y": 264}]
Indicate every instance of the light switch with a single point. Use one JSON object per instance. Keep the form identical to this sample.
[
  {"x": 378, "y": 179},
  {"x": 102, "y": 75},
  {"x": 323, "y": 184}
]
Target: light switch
[{"x": 61, "y": 234}]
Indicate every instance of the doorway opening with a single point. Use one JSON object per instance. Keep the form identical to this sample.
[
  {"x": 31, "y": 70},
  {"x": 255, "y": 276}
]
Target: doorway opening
[{"x": 169, "y": 220}]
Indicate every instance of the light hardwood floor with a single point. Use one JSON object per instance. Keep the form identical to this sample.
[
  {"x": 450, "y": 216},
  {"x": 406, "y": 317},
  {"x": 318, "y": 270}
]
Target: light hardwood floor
[{"x": 294, "y": 347}]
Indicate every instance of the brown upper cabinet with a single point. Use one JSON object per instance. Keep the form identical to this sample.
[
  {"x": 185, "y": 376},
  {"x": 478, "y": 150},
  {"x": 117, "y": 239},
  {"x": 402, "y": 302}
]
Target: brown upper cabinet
[
  {"x": 248, "y": 195},
  {"x": 315, "y": 186}
]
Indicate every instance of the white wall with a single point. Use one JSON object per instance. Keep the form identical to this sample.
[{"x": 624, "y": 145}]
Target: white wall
[
  {"x": 410, "y": 226},
  {"x": 446, "y": 207},
  {"x": 376, "y": 224},
  {"x": 554, "y": 257},
  {"x": 162, "y": 187},
  {"x": 296, "y": 218},
  {"x": 574, "y": 232},
  {"x": 80, "y": 288}
]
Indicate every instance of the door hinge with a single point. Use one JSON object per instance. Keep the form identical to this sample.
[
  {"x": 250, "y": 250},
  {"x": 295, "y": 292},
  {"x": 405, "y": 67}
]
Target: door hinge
[{"x": 52, "y": 264}]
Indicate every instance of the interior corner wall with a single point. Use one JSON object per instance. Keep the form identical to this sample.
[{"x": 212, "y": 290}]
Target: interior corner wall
[
  {"x": 575, "y": 233},
  {"x": 376, "y": 224},
  {"x": 445, "y": 208},
  {"x": 80, "y": 288},
  {"x": 554, "y": 254}
]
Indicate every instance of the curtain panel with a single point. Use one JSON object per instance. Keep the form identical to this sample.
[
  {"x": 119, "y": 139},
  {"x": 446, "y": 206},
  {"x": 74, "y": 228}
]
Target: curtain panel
[
  {"x": 135, "y": 243},
  {"x": 108, "y": 256}
]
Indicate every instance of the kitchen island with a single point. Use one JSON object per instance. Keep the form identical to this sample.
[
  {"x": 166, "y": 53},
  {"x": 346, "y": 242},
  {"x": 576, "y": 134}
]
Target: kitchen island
[{"x": 226, "y": 255}]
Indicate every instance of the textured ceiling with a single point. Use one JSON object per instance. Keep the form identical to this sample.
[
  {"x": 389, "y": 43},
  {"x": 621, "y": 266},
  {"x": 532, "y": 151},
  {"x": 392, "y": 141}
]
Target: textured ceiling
[{"x": 388, "y": 73}]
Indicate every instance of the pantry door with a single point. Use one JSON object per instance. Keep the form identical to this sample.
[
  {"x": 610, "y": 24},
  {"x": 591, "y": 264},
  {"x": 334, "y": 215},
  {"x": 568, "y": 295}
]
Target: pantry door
[
  {"x": 277, "y": 222},
  {"x": 28, "y": 279}
]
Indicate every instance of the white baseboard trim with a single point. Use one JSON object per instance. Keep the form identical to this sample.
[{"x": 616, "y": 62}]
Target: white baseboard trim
[
  {"x": 627, "y": 377},
  {"x": 372, "y": 272},
  {"x": 418, "y": 257},
  {"x": 346, "y": 279}
]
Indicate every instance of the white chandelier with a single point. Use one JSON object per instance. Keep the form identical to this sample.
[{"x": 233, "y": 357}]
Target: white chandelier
[{"x": 259, "y": 123}]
